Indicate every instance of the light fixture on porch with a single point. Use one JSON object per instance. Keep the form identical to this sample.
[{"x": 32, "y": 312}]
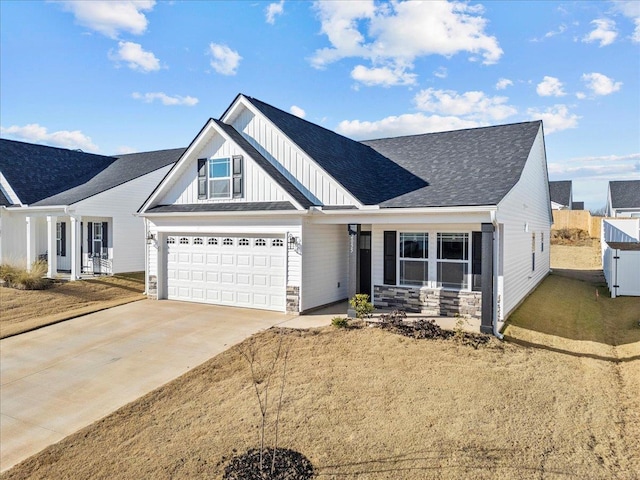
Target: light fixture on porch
[
  {"x": 151, "y": 237},
  {"x": 292, "y": 242}
]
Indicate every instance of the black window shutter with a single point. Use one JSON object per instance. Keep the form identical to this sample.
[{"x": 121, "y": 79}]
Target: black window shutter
[
  {"x": 90, "y": 238},
  {"x": 63, "y": 239},
  {"x": 237, "y": 176},
  {"x": 105, "y": 237},
  {"x": 390, "y": 247},
  {"x": 202, "y": 178}
]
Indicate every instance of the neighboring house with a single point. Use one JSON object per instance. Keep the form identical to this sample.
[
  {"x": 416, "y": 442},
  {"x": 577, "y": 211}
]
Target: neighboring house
[
  {"x": 266, "y": 210},
  {"x": 75, "y": 209},
  {"x": 561, "y": 193},
  {"x": 620, "y": 244},
  {"x": 577, "y": 206},
  {"x": 623, "y": 198}
]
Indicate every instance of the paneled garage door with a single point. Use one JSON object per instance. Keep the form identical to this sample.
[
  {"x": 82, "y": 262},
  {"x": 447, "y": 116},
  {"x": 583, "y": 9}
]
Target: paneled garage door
[{"x": 243, "y": 271}]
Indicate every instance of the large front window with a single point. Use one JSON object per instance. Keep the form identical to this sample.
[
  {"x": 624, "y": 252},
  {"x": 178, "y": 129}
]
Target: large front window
[
  {"x": 414, "y": 254},
  {"x": 453, "y": 260},
  {"x": 220, "y": 177}
]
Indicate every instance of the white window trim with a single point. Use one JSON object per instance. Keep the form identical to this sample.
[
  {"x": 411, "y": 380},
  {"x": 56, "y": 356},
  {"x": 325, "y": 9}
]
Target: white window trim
[
  {"x": 211, "y": 180},
  {"x": 428, "y": 283},
  {"x": 468, "y": 275},
  {"x": 433, "y": 260}
]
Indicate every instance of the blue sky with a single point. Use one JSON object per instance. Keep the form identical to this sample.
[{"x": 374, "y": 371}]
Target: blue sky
[{"x": 116, "y": 77}]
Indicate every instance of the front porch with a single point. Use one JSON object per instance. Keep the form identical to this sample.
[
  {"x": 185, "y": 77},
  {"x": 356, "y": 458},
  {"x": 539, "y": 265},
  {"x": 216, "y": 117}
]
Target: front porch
[{"x": 79, "y": 250}]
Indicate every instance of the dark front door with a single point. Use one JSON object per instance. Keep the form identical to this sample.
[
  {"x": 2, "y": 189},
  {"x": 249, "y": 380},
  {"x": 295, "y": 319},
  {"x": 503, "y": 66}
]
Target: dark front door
[{"x": 364, "y": 251}]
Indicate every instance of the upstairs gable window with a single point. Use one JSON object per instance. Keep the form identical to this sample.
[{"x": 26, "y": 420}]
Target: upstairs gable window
[{"x": 220, "y": 178}]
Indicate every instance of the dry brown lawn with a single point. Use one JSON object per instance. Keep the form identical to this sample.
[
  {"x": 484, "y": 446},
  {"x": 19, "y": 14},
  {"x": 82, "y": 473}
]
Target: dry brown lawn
[
  {"x": 368, "y": 404},
  {"x": 23, "y": 310}
]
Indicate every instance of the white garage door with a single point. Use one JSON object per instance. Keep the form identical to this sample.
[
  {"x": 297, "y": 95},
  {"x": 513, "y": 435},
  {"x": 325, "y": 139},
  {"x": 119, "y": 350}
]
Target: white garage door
[{"x": 237, "y": 270}]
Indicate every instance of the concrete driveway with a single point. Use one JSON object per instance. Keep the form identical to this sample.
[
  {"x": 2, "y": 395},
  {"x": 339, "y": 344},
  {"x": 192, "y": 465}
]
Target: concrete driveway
[{"x": 61, "y": 378}]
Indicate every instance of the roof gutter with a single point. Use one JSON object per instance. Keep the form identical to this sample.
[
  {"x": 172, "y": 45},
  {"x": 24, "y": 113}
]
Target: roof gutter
[
  {"x": 225, "y": 213},
  {"x": 368, "y": 210},
  {"x": 43, "y": 208}
]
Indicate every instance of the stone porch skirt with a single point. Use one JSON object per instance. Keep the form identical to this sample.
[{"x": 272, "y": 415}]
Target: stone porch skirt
[{"x": 428, "y": 301}]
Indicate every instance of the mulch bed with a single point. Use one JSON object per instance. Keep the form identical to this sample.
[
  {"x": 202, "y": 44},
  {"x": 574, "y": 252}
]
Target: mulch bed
[
  {"x": 397, "y": 322},
  {"x": 289, "y": 465}
]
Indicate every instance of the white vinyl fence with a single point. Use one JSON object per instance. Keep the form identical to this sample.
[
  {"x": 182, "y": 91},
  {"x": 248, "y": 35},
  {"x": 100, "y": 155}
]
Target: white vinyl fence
[{"x": 621, "y": 256}]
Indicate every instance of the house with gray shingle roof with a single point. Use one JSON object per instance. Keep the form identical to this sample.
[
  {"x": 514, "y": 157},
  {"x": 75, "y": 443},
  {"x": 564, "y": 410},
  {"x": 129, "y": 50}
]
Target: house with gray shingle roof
[
  {"x": 561, "y": 193},
  {"x": 266, "y": 210},
  {"x": 623, "y": 198},
  {"x": 75, "y": 210}
]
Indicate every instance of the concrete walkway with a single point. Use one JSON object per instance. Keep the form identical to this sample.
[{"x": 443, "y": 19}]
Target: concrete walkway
[{"x": 59, "y": 379}]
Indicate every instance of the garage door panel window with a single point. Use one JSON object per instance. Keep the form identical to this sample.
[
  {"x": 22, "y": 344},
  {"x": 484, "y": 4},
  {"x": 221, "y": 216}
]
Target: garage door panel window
[
  {"x": 212, "y": 241},
  {"x": 227, "y": 242},
  {"x": 197, "y": 241},
  {"x": 184, "y": 241}
]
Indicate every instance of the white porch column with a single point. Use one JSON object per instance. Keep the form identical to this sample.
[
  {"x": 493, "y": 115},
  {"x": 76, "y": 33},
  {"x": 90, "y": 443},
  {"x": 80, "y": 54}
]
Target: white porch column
[
  {"x": 75, "y": 248},
  {"x": 31, "y": 242},
  {"x": 52, "y": 257}
]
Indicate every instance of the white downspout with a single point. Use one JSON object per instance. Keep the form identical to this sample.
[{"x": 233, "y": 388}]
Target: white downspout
[{"x": 496, "y": 251}]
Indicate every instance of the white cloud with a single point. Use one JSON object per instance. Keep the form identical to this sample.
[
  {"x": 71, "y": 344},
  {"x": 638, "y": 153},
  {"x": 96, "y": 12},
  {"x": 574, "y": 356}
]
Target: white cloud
[
  {"x": 600, "y": 84},
  {"x": 124, "y": 149},
  {"x": 297, "y": 111},
  {"x": 135, "y": 57},
  {"x": 608, "y": 166},
  {"x": 631, "y": 10},
  {"x": 503, "y": 83},
  {"x": 392, "y": 35},
  {"x": 273, "y": 10},
  {"x": 165, "y": 99},
  {"x": 35, "y": 133},
  {"x": 581, "y": 95},
  {"x": 555, "y": 119},
  {"x": 550, "y": 87},
  {"x": 224, "y": 60},
  {"x": 475, "y": 104},
  {"x": 111, "y": 17},
  {"x": 383, "y": 76},
  {"x": 605, "y": 32},
  {"x": 441, "y": 72},
  {"x": 407, "y": 124}
]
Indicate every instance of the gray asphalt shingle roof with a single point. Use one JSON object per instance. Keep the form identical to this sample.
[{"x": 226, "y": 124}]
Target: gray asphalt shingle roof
[
  {"x": 560, "y": 192},
  {"x": 42, "y": 175},
  {"x": 124, "y": 169},
  {"x": 477, "y": 166},
  {"x": 625, "y": 193},
  {"x": 4, "y": 201},
  {"x": 36, "y": 172},
  {"x": 366, "y": 174}
]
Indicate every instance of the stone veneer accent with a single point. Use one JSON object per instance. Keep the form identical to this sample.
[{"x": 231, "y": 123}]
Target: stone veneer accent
[
  {"x": 152, "y": 291},
  {"x": 437, "y": 303},
  {"x": 293, "y": 299}
]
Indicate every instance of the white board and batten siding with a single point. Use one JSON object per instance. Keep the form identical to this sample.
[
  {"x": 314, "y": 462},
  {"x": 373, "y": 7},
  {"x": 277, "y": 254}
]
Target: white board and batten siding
[
  {"x": 523, "y": 212},
  {"x": 290, "y": 160},
  {"x": 258, "y": 187},
  {"x": 324, "y": 265},
  {"x": 126, "y": 231}
]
